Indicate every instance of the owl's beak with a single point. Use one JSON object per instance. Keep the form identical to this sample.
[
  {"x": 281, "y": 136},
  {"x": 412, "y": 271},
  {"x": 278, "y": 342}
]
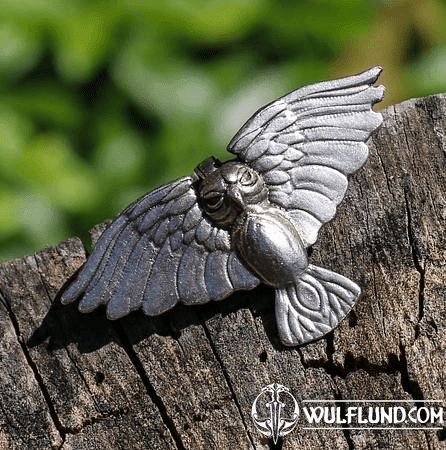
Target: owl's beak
[{"x": 236, "y": 199}]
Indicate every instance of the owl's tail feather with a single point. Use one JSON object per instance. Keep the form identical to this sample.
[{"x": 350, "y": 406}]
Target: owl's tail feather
[{"x": 314, "y": 306}]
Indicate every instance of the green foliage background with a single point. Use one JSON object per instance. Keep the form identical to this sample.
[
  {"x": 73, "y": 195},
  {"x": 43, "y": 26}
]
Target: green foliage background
[{"x": 101, "y": 101}]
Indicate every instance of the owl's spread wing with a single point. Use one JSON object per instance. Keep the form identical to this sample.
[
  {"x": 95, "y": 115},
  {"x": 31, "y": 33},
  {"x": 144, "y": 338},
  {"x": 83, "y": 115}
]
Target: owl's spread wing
[
  {"x": 307, "y": 142},
  {"x": 159, "y": 251}
]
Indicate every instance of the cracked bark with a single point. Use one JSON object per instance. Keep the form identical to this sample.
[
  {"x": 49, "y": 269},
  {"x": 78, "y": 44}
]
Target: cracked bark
[{"x": 187, "y": 379}]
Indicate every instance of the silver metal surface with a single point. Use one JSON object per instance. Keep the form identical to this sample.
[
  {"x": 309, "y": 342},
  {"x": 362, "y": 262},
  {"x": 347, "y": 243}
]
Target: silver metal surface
[{"x": 231, "y": 226}]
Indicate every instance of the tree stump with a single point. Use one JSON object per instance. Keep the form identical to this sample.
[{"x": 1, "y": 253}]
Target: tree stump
[{"x": 187, "y": 379}]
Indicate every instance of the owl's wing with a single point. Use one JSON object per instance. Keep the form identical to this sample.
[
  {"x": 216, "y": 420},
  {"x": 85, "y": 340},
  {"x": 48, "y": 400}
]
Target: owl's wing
[
  {"x": 159, "y": 251},
  {"x": 307, "y": 142}
]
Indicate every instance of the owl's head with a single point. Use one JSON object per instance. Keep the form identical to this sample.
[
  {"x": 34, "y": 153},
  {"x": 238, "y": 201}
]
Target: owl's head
[{"x": 227, "y": 190}]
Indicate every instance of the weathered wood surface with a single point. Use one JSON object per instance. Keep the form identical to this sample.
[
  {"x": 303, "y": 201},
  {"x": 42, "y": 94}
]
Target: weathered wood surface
[{"x": 187, "y": 379}]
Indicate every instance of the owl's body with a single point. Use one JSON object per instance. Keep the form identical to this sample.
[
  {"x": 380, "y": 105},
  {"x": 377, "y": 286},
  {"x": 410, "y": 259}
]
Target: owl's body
[
  {"x": 232, "y": 226},
  {"x": 270, "y": 245}
]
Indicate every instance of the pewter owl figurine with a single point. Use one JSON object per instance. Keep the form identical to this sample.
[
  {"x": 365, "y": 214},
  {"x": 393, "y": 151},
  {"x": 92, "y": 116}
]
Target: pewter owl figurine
[{"x": 247, "y": 221}]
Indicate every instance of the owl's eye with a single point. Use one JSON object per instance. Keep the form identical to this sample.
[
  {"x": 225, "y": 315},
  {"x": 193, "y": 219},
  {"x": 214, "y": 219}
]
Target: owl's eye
[
  {"x": 214, "y": 200},
  {"x": 248, "y": 178}
]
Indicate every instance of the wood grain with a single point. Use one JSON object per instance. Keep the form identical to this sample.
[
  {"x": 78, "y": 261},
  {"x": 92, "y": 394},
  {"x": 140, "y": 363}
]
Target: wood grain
[{"x": 187, "y": 379}]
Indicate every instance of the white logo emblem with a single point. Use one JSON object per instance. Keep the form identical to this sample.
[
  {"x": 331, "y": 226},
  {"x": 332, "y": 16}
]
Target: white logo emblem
[{"x": 271, "y": 421}]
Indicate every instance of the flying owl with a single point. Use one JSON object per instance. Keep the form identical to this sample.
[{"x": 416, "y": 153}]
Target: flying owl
[{"x": 247, "y": 221}]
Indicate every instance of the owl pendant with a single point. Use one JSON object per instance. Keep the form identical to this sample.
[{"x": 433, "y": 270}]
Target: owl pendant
[{"x": 251, "y": 220}]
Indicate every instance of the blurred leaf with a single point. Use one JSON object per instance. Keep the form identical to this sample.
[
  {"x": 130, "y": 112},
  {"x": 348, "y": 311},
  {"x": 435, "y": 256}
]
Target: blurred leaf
[
  {"x": 232, "y": 70},
  {"x": 83, "y": 40},
  {"x": 238, "y": 107},
  {"x": 15, "y": 248},
  {"x": 172, "y": 90},
  {"x": 41, "y": 219},
  {"x": 200, "y": 20},
  {"x": 428, "y": 75},
  {"x": 34, "y": 217},
  {"x": 9, "y": 217},
  {"x": 37, "y": 9},
  {"x": 19, "y": 49},
  {"x": 120, "y": 158},
  {"x": 328, "y": 23},
  {"x": 15, "y": 131},
  {"x": 186, "y": 144},
  {"x": 127, "y": 196},
  {"x": 50, "y": 167},
  {"x": 46, "y": 103}
]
